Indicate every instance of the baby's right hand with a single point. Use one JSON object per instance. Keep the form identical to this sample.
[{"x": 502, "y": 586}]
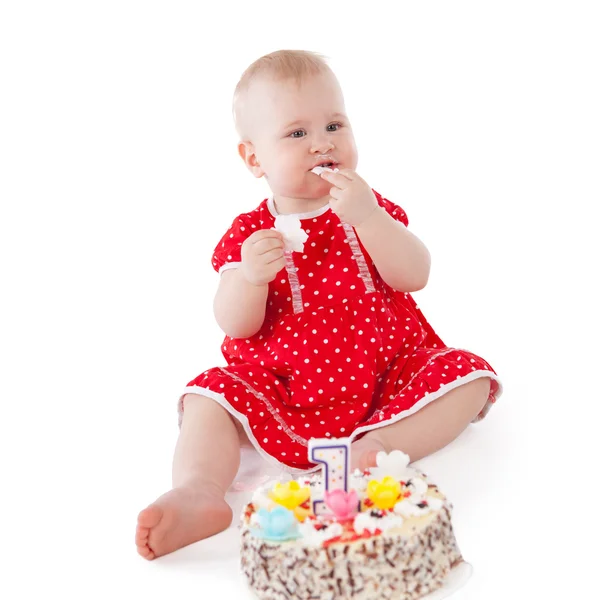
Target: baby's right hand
[{"x": 262, "y": 256}]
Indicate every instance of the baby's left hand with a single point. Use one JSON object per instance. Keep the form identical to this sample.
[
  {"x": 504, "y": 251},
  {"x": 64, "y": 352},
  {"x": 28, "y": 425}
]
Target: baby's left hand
[{"x": 353, "y": 201}]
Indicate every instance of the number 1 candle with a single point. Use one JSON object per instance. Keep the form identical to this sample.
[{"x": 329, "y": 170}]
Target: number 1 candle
[{"x": 334, "y": 455}]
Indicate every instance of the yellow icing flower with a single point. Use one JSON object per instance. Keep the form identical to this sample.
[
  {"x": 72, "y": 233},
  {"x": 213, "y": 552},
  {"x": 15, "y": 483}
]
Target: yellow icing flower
[
  {"x": 385, "y": 493},
  {"x": 301, "y": 513},
  {"x": 289, "y": 494}
]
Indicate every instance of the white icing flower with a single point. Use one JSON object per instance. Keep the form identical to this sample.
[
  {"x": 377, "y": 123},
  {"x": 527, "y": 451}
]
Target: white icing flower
[
  {"x": 394, "y": 464},
  {"x": 293, "y": 234},
  {"x": 418, "y": 486},
  {"x": 418, "y": 503},
  {"x": 316, "y": 537},
  {"x": 366, "y": 521},
  {"x": 261, "y": 499},
  {"x": 390, "y": 521},
  {"x": 410, "y": 508}
]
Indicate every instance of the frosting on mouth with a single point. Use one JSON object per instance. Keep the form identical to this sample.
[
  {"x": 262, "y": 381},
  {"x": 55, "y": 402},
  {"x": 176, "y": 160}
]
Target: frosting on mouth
[{"x": 319, "y": 170}]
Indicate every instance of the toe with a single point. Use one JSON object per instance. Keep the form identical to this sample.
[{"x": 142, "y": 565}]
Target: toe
[
  {"x": 145, "y": 552},
  {"x": 150, "y": 517},
  {"x": 141, "y": 535}
]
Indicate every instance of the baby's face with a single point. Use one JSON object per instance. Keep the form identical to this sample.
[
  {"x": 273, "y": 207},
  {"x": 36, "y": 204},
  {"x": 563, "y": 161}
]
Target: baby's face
[{"x": 295, "y": 129}]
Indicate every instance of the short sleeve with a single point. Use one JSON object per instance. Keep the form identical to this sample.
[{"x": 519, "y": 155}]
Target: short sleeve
[
  {"x": 228, "y": 252},
  {"x": 392, "y": 209}
]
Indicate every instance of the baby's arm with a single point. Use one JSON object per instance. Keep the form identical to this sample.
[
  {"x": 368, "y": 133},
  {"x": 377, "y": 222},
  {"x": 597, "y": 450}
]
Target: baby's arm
[
  {"x": 241, "y": 299},
  {"x": 402, "y": 259}
]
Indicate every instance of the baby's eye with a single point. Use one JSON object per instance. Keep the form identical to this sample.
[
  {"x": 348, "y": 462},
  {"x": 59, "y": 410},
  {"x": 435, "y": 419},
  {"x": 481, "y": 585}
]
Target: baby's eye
[
  {"x": 333, "y": 126},
  {"x": 299, "y": 131}
]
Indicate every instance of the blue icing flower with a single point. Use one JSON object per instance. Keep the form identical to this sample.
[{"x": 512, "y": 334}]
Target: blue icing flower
[{"x": 278, "y": 524}]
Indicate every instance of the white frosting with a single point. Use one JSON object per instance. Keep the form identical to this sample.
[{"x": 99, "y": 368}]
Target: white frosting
[
  {"x": 394, "y": 464},
  {"x": 319, "y": 170},
  {"x": 293, "y": 234},
  {"x": 365, "y": 521},
  {"x": 408, "y": 507},
  {"x": 307, "y": 480},
  {"x": 418, "y": 486},
  {"x": 316, "y": 537},
  {"x": 261, "y": 499}
]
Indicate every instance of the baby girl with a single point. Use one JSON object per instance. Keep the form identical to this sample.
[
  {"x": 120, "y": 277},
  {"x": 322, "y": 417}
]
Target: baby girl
[{"x": 323, "y": 338}]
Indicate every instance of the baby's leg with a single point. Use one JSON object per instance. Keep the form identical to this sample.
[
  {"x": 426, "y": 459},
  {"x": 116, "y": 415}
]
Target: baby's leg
[
  {"x": 427, "y": 430},
  {"x": 207, "y": 457}
]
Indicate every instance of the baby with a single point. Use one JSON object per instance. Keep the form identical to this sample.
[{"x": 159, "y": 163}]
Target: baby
[{"x": 323, "y": 338}]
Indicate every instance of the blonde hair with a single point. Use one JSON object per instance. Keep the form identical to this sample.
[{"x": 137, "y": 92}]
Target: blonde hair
[{"x": 281, "y": 65}]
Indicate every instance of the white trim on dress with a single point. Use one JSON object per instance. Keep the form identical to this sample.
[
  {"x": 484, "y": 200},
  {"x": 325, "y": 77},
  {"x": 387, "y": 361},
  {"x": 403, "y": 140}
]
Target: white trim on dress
[
  {"x": 308, "y": 215},
  {"x": 427, "y": 399},
  {"x": 243, "y": 419},
  {"x": 230, "y": 265}
]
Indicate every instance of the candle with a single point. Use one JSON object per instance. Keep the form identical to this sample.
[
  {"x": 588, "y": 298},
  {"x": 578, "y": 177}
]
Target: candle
[{"x": 334, "y": 455}]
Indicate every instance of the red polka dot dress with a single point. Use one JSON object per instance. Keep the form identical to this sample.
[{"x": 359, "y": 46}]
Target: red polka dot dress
[{"x": 339, "y": 353}]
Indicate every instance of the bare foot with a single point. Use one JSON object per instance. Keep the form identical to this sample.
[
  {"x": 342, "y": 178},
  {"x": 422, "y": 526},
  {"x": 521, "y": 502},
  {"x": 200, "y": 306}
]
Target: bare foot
[
  {"x": 364, "y": 452},
  {"x": 178, "y": 518}
]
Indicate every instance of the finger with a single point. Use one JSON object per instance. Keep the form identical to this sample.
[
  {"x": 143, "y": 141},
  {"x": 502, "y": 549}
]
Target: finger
[
  {"x": 266, "y": 245},
  {"x": 351, "y": 174},
  {"x": 264, "y": 234},
  {"x": 273, "y": 255},
  {"x": 335, "y": 193},
  {"x": 347, "y": 173},
  {"x": 337, "y": 179},
  {"x": 275, "y": 263}
]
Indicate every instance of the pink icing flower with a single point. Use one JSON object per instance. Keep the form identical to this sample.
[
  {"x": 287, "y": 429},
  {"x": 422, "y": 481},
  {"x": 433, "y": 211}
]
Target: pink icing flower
[{"x": 343, "y": 505}]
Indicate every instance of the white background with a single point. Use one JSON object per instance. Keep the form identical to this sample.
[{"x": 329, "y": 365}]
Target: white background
[{"x": 118, "y": 176}]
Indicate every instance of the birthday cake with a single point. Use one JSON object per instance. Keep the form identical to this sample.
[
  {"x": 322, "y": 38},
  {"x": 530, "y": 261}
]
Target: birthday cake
[{"x": 382, "y": 533}]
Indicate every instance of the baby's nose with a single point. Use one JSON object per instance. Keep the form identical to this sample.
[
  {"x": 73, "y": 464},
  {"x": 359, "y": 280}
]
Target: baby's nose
[{"x": 322, "y": 146}]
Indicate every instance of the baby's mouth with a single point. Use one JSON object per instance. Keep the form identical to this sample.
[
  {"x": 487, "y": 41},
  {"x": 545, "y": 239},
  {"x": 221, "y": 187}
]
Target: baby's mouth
[{"x": 325, "y": 166}]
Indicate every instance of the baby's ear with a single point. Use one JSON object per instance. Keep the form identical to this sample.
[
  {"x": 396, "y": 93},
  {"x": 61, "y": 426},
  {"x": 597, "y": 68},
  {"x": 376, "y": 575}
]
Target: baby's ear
[{"x": 247, "y": 152}]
